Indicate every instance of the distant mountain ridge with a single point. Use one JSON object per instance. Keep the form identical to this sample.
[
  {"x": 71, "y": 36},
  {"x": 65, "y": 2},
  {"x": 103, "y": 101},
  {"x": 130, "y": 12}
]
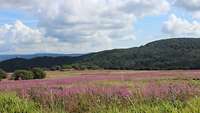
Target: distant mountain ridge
[
  {"x": 30, "y": 56},
  {"x": 168, "y": 54}
]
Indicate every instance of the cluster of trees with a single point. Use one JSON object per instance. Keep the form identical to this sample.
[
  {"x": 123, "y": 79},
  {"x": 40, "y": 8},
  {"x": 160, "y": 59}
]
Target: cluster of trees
[
  {"x": 79, "y": 66},
  {"x": 35, "y": 73}
]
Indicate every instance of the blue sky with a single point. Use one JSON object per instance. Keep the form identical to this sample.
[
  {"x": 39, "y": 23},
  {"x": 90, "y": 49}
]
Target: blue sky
[
  {"x": 78, "y": 26},
  {"x": 9, "y": 16}
]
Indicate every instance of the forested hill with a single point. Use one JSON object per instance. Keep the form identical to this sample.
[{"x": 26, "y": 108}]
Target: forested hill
[
  {"x": 43, "y": 62},
  {"x": 177, "y": 53}
]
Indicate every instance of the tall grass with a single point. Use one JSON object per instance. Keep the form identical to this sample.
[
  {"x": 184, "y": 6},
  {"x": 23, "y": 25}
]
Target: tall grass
[
  {"x": 168, "y": 98},
  {"x": 155, "y": 106},
  {"x": 10, "y": 103}
]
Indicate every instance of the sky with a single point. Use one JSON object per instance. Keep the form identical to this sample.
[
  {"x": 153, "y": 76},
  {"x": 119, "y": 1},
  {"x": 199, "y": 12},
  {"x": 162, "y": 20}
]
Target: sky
[{"x": 83, "y": 26}]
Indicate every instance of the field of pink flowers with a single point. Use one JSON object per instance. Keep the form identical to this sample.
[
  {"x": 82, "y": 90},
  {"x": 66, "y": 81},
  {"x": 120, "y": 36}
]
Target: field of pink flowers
[{"x": 86, "y": 92}]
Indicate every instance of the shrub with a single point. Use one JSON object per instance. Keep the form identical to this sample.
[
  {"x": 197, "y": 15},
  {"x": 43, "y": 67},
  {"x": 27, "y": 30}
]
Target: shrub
[
  {"x": 38, "y": 73},
  {"x": 2, "y": 74},
  {"x": 55, "y": 68},
  {"x": 23, "y": 75}
]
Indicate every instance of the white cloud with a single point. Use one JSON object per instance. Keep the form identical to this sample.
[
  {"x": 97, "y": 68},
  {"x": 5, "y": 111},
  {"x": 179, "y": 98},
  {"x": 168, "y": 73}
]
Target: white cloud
[
  {"x": 17, "y": 35},
  {"x": 88, "y": 22},
  {"x": 76, "y": 20},
  {"x": 181, "y": 27},
  {"x": 192, "y": 6},
  {"x": 19, "y": 38}
]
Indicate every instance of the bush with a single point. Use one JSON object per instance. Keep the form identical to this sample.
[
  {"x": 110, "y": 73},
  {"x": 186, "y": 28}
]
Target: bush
[
  {"x": 23, "y": 75},
  {"x": 38, "y": 73},
  {"x": 2, "y": 74}
]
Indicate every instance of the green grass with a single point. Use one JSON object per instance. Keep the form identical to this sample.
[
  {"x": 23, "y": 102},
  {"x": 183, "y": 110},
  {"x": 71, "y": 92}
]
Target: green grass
[
  {"x": 101, "y": 104},
  {"x": 10, "y": 103},
  {"x": 191, "y": 106}
]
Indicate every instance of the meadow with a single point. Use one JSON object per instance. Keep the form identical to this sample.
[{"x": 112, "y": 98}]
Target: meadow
[{"x": 104, "y": 91}]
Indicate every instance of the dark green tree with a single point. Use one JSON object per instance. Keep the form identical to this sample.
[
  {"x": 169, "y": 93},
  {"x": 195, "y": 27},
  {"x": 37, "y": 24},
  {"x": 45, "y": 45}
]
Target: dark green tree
[{"x": 38, "y": 73}]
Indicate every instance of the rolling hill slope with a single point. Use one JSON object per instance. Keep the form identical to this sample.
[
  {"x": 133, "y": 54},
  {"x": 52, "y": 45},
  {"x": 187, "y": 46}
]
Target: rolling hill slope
[
  {"x": 177, "y": 53},
  {"x": 43, "y": 62}
]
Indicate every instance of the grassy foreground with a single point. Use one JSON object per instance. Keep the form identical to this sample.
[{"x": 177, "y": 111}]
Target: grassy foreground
[{"x": 11, "y": 103}]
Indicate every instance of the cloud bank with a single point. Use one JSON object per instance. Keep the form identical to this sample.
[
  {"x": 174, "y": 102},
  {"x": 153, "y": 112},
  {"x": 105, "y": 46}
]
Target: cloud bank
[{"x": 75, "y": 25}]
